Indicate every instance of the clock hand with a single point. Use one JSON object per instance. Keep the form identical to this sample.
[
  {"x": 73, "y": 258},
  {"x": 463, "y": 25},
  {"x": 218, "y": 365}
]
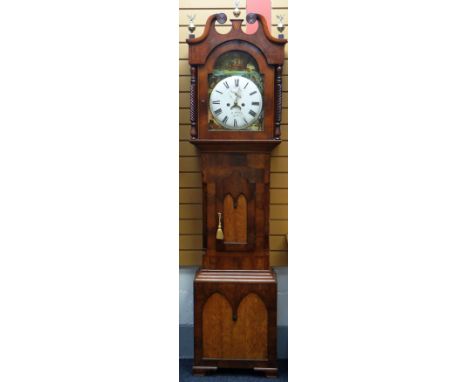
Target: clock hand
[
  {"x": 239, "y": 96},
  {"x": 236, "y": 104},
  {"x": 232, "y": 93}
]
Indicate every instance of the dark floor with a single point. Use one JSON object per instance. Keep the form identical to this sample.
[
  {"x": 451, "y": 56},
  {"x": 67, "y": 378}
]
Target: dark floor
[{"x": 230, "y": 375}]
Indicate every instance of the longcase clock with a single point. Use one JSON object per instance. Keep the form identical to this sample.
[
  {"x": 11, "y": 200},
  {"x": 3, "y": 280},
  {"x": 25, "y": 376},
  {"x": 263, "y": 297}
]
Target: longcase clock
[{"x": 235, "y": 112}]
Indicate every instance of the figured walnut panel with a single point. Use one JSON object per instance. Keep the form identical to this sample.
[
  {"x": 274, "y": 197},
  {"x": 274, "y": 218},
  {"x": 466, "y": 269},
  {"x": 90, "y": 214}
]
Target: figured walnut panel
[
  {"x": 216, "y": 326},
  {"x": 250, "y": 330},
  {"x": 235, "y": 219},
  {"x": 235, "y": 335}
]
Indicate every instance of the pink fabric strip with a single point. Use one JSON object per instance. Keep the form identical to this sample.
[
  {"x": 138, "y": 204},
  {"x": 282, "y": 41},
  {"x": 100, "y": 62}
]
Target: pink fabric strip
[{"x": 258, "y": 6}]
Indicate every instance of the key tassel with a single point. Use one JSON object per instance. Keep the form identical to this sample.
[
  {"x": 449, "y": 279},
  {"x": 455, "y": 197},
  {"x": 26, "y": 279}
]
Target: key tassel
[{"x": 219, "y": 232}]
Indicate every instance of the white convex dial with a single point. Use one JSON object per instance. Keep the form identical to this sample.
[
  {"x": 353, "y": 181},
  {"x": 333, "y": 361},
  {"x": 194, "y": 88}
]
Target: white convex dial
[{"x": 236, "y": 103}]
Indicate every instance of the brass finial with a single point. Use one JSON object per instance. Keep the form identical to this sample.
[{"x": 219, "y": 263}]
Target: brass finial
[
  {"x": 236, "y": 10},
  {"x": 280, "y": 25},
  {"x": 191, "y": 26}
]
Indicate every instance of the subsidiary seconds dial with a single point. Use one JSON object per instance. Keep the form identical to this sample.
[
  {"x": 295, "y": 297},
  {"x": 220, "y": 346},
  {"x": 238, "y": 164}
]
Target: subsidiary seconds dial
[{"x": 236, "y": 103}]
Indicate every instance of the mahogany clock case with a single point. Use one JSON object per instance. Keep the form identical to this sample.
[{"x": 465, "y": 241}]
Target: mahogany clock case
[{"x": 235, "y": 291}]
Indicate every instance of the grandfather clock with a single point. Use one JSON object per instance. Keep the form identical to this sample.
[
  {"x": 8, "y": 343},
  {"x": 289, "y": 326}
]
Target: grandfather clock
[{"x": 235, "y": 112}]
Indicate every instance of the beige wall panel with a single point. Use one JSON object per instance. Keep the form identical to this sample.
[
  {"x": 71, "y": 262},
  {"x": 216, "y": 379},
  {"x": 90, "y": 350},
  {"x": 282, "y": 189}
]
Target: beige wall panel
[
  {"x": 190, "y": 195},
  {"x": 284, "y": 115},
  {"x": 285, "y": 83},
  {"x": 278, "y": 227},
  {"x": 279, "y": 196},
  {"x": 184, "y": 68},
  {"x": 285, "y": 65},
  {"x": 280, "y": 150},
  {"x": 284, "y": 131},
  {"x": 279, "y": 211},
  {"x": 189, "y": 164},
  {"x": 274, "y": 20},
  {"x": 190, "y": 258},
  {"x": 184, "y": 132},
  {"x": 226, "y": 4},
  {"x": 184, "y": 100},
  {"x": 189, "y": 179},
  {"x": 285, "y": 98},
  {"x": 278, "y": 243},
  {"x": 191, "y": 227},
  {"x": 279, "y": 180},
  {"x": 279, "y": 258},
  {"x": 186, "y": 149},
  {"x": 190, "y": 242},
  {"x": 279, "y": 164},
  {"x": 190, "y": 211},
  {"x": 279, "y": 4},
  {"x": 184, "y": 116}
]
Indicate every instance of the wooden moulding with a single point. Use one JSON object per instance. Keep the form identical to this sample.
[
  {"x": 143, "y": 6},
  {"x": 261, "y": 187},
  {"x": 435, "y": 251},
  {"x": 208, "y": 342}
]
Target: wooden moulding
[
  {"x": 237, "y": 145},
  {"x": 200, "y": 47}
]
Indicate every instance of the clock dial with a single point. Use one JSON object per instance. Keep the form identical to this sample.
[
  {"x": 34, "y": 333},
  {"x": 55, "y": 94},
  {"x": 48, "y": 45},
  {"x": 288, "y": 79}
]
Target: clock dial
[{"x": 236, "y": 103}]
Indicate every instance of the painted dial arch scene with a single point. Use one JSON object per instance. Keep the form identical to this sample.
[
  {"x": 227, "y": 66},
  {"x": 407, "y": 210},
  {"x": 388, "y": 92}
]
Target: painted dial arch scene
[
  {"x": 236, "y": 103},
  {"x": 235, "y": 89}
]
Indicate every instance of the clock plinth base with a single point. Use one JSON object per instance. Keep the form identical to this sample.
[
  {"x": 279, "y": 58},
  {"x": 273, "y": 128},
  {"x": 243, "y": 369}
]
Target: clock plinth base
[
  {"x": 271, "y": 372},
  {"x": 235, "y": 320},
  {"x": 201, "y": 371}
]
